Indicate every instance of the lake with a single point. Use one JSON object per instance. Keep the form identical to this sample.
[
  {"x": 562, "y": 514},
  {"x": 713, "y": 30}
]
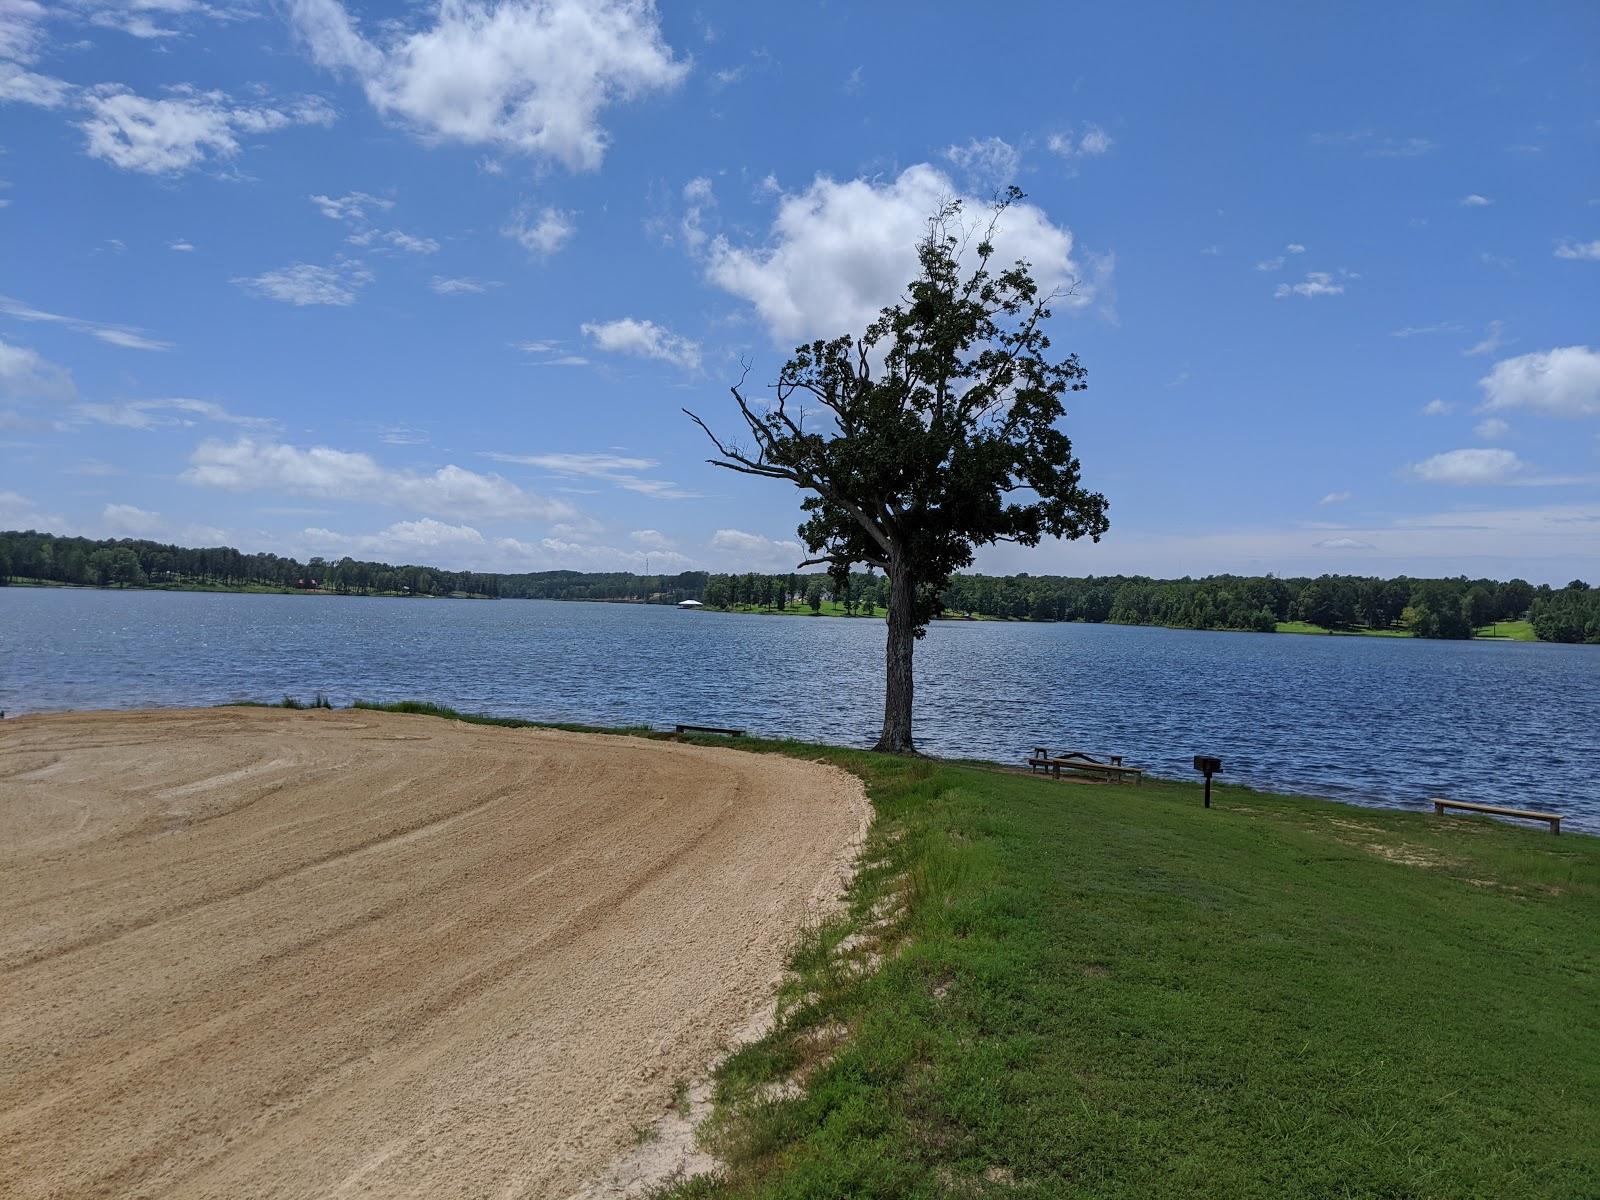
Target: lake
[{"x": 1383, "y": 721}]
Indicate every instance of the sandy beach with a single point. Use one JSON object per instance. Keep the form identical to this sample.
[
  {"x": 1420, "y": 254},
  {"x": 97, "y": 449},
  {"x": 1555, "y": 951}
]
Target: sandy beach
[{"x": 257, "y": 952}]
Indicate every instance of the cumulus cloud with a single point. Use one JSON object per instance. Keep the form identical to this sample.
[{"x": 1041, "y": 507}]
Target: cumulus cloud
[
  {"x": 127, "y": 520},
  {"x": 532, "y": 76},
  {"x": 1579, "y": 250},
  {"x": 651, "y": 539},
  {"x": 399, "y": 239},
  {"x": 21, "y": 86},
  {"x": 304, "y": 283},
  {"x": 249, "y": 464},
  {"x": 838, "y": 252},
  {"x": 27, "y": 375},
  {"x": 174, "y": 134},
  {"x": 1335, "y": 498},
  {"x": 1469, "y": 467},
  {"x": 1436, "y": 408},
  {"x": 1564, "y": 382},
  {"x": 400, "y": 540},
  {"x": 617, "y": 469},
  {"x": 987, "y": 164},
  {"x": 644, "y": 339},
  {"x": 125, "y": 336},
  {"x": 18, "y": 512},
  {"x": 542, "y": 233},
  {"x": 1316, "y": 283},
  {"x": 1475, "y": 201},
  {"x": 755, "y": 550}
]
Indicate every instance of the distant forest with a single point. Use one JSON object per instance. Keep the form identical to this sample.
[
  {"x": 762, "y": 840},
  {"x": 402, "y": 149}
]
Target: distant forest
[{"x": 1431, "y": 608}]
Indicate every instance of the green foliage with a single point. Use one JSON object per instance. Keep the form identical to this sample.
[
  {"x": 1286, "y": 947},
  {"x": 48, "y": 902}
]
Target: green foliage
[
  {"x": 1570, "y": 615},
  {"x": 939, "y": 429}
]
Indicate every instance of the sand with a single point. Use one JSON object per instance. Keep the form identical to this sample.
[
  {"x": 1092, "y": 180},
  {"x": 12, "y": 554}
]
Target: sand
[{"x": 256, "y": 952}]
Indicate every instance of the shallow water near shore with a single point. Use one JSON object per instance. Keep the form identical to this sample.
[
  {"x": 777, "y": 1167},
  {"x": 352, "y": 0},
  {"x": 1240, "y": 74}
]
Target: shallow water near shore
[{"x": 1382, "y": 721}]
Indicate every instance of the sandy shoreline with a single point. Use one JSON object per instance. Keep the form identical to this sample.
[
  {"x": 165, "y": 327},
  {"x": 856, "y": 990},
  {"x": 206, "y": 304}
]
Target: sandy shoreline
[{"x": 274, "y": 953}]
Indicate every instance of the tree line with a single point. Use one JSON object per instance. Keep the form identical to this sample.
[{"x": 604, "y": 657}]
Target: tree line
[
  {"x": 1432, "y": 608},
  {"x": 131, "y": 562}
]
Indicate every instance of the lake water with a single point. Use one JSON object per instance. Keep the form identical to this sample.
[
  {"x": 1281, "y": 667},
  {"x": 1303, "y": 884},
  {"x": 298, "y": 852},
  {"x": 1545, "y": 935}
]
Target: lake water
[{"x": 1375, "y": 720}]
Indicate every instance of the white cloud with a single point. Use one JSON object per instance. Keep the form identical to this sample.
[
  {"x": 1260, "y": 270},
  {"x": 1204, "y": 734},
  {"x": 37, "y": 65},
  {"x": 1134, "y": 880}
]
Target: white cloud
[
  {"x": 839, "y": 252},
  {"x": 304, "y": 283},
  {"x": 1491, "y": 429},
  {"x": 1092, "y": 143},
  {"x": 542, "y": 234},
  {"x": 1271, "y": 264},
  {"x": 126, "y": 520},
  {"x": 1375, "y": 145},
  {"x": 400, "y": 541},
  {"x": 248, "y": 464},
  {"x": 18, "y": 512},
  {"x": 1475, "y": 466},
  {"x": 697, "y": 198},
  {"x": 1475, "y": 201},
  {"x": 181, "y": 246},
  {"x": 20, "y": 86},
  {"x": 1494, "y": 335},
  {"x": 616, "y": 469},
  {"x": 158, "y": 414},
  {"x": 532, "y": 76},
  {"x": 461, "y": 287},
  {"x": 125, "y": 336},
  {"x": 396, "y": 238},
  {"x": 352, "y": 206},
  {"x": 644, "y": 339},
  {"x": 1294, "y": 248},
  {"x": 1411, "y": 331},
  {"x": 651, "y": 539},
  {"x": 1317, "y": 283},
  {"x": 988, "y": 164},
  {"x": 1436, "y": 408},
  {"x": 751, "y": 549},
  {"x": 1335, "y": 498},
  {"x": 27, "y": 375},
  {"x": 1343, "y": 543},
  {"x": 172, "y": 135},
  {"x": 1579, "y": 250},
  {"x": 1564, "y": 382}
]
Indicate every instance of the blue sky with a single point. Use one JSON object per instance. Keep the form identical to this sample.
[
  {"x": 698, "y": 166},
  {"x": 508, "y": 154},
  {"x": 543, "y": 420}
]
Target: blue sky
[{"x": 432, "y": 283}]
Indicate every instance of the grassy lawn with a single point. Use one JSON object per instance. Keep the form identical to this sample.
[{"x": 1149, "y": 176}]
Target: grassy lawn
[
  {"x": 1308, "y": 627},
  {"x": 1508, "y": 631},
  {"x": 830, "y": 608},
  {"x": 1097, "y": 991},
  {"x": 1047, "y": 989}
]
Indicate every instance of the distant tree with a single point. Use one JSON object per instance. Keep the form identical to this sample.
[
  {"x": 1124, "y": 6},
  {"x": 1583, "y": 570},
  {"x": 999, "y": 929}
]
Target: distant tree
[
  {"x": 814, "y": 595},
  {"x": 941, "y": 436},
  {"x": 5, "y": 567}
]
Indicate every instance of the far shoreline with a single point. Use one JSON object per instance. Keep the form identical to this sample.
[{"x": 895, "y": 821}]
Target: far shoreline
[{"x": 1520, "y": 631}]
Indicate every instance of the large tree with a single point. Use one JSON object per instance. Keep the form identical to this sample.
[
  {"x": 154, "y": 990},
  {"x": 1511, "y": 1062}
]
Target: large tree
[{"x": 932, "y": 432}]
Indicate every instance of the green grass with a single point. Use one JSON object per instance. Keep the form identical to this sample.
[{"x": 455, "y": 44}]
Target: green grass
[
  {"x": 1046, "y": 989},
  {"x": 1099, "y": 991},
  {"x": 1509, "y": 631},
  {"x": 830, "y": 608},
  {"x": 1308, "y": 627}
]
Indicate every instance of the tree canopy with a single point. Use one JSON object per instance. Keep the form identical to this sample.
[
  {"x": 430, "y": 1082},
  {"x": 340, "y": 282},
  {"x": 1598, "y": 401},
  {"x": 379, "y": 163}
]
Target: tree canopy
[{"x": 938, "y": 434}]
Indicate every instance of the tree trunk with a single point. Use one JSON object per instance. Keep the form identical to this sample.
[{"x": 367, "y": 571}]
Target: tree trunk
[{"x": 896, "y": 735}]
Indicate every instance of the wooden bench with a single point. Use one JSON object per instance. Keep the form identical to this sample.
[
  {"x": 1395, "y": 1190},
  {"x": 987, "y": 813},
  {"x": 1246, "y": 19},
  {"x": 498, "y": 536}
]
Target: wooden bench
[
  {"x": 1078, "y": 761},
  {"x": 709, "y": 729},
  {"x": 1526, "y": 814}
]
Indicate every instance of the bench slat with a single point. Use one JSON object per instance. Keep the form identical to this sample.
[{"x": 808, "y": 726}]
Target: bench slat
[{"x": 1526, "y": 814}]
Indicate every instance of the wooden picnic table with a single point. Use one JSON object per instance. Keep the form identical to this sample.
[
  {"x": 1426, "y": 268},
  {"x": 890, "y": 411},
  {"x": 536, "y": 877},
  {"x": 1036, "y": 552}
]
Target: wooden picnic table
[{"x": 1526, "y": 814}]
